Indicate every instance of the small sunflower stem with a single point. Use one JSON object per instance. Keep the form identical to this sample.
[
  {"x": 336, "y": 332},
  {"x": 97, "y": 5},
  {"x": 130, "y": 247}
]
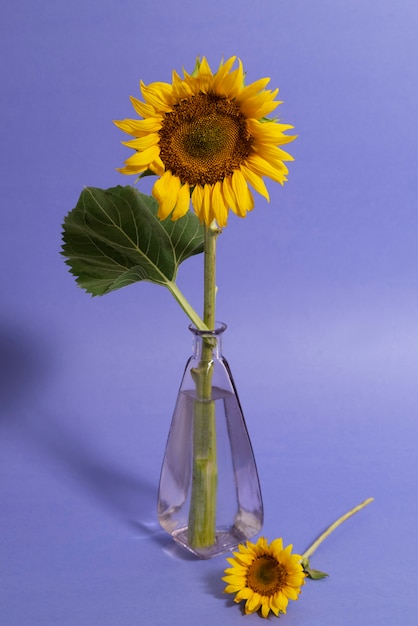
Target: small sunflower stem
[
  {"x": 333, "y": 526},
  {"x": 202, "y": 516}
]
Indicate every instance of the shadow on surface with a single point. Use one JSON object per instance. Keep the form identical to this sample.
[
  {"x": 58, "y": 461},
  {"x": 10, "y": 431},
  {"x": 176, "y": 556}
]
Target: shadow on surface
[
  {"x": 215, "y": 585},
  {"x": 24, "y": 365},
  {"x": 166, "y": 543},
  {"x": 78, "y": 461},
  {"x": 114, "y": 487}
]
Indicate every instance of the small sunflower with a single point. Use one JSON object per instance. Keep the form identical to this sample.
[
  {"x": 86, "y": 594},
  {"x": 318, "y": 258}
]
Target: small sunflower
[
  {"x": 266, "y": 576},
  {"x": 207, "y": 137}
]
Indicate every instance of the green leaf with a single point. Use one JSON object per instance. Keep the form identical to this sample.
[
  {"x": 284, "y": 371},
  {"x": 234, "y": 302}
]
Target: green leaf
[
  {"x": 315, "y": 574},
  {"x": 113, "y": 238}
]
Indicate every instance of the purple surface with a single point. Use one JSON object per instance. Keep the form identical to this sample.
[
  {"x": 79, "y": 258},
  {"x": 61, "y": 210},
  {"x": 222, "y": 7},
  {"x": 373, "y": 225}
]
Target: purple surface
[{"x": 319, "y": 289}]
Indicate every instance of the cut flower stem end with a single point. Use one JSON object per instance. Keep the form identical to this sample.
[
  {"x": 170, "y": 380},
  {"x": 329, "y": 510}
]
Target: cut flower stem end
[{"x": 312, "y": 548}]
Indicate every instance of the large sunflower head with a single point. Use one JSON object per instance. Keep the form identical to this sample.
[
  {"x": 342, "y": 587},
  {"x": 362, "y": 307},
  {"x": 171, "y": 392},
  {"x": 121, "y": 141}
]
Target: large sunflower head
[
  {"x": 265, "y": 575},
  {"x": 207, "y": 137}
]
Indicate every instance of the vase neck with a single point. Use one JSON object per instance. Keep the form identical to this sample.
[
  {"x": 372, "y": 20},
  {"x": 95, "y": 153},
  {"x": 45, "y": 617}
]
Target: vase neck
[{"x": 213, "y": 338}]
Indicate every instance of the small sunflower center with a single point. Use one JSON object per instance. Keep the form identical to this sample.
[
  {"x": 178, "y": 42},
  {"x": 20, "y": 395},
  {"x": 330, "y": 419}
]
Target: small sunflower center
[
  {"x": 204, "y": 139},
  {"x": 266, "y": 576}
]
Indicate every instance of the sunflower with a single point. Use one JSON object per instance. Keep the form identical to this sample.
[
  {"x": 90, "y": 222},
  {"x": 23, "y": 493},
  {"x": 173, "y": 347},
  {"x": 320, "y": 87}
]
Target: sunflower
[
  {"x": 264, "y": 575},
  {"x": 206, "y": 136}
]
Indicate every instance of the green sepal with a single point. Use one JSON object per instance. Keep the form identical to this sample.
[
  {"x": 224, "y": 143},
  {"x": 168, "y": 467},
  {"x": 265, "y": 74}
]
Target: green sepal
[
  {"x": 145, "y": 173},
  {"x": 315, "y": 574},
  {"x": 196, "y": 68},
  {"x": 113, "y": 238}
]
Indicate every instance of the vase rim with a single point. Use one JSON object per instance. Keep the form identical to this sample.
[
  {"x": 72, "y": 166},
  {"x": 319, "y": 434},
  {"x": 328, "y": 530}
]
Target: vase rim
[{"x": 220, "y": 327}]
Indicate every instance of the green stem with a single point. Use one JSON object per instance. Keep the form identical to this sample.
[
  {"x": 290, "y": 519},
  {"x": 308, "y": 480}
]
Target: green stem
[
  {"x": 186, "y": 306},
  {"x": 202, "y": 517},
  {"x": 209, "y": 302},
  {"x": 333, "y": 526}
]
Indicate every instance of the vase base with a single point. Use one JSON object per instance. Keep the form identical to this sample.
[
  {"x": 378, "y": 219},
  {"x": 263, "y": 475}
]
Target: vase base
[{"x": 225, "y": 541}]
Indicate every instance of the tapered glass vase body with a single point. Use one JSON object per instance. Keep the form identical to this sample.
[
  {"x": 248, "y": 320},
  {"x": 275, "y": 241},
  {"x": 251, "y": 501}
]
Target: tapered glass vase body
[{"x": 209, "y": 495}]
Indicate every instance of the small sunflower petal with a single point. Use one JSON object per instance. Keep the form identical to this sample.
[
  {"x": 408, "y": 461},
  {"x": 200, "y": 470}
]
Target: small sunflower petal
[
  {"x": 253, "y": 603},
  {"x": 231, "y": 588},
  {"x": 265, "y": 609},
  {"x": 243, "y": 594},
  {"x": 277, "y": 545},
  {"x": 261, "y": 590}
]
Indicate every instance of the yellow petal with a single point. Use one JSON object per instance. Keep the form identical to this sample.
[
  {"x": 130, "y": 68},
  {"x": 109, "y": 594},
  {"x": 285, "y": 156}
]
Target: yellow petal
[
  {"x": 204, "y": 78},
  {"x": 267, "y": 151},
  {"x": 157, "y": 166},
  {"x": 265, "y": 609},
  {"x": 277, "y": 545},
  {"x": 181, "y": 89},
  {"x": 231, "y": 84},
  {"x": 165, "y": 191},
  {"x": 269, "y": 132},
  {"x": 231, "y": 202},
  {"x": 218, "y": 84},
  {"x": 197, "y": 201},
  {"x": 143, "y": 159},
  {"x": 255, "y": 181},
  {"x": 129, "y": 170},
  {"x": 263, "y": 168},
  {"x": 290, "y": 592},
  {"x": 231, "y": 589},
  {"x": 207, "y": 216},
  {"x": 144, "y": 110},
  {"x": 238, "y": 570},
  {"x": 244, "y": 548},
  {"x": 158, "y": 95},
  {"x": 274, "y": 608},
  {"x": 139, "y": 127},
  {"x": 244, "y": 594},
  {"x": 220, "y": 211},
  {"x": 280, "y": 601},
  {"x": 142, "y": 143},
  {"x": 253, "y": 603},
  {"x": 204, "y": 69},
  {"x": 245, "y": 201},
  {"x": 225, "y": 67},
  {"x": 252, "y": 89},
  {"x": 259, "y": 105},
  {"x": 183, "y": 202}
]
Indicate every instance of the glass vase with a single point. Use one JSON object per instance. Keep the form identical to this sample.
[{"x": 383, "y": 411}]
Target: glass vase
[{"x": 209, "y": 496}]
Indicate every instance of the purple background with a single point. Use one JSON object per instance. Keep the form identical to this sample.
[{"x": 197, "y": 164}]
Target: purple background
[{"x": 319, "y": 289}]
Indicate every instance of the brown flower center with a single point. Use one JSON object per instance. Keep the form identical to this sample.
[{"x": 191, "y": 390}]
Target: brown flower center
[
  {"x": 204, "y": 139},
  {"x": 266, "y": 576}
]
